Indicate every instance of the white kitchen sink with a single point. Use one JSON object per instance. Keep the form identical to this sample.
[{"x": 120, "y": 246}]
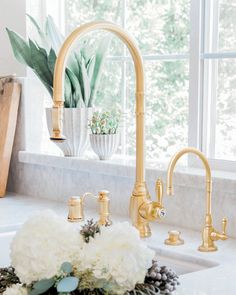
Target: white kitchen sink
[
  {"x": 181, "y": 263},
  {"x": 5, "y": 241}
]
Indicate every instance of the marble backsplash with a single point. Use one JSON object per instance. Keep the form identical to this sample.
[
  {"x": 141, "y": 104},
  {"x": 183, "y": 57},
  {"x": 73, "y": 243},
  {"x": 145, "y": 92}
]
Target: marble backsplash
[{"x": 57, "y": 178}]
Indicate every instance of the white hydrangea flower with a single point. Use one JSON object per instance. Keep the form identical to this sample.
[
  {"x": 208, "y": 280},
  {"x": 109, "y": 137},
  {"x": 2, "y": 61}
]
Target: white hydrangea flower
[
  {"x": 118, "y": 256},
  {"x": 42, "y": 245},
  {"x": 16, "y": 289}
]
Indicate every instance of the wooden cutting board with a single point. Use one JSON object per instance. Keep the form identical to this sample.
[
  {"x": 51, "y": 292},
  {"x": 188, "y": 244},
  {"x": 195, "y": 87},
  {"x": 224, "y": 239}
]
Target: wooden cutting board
[{"x": 9, "y": 103}]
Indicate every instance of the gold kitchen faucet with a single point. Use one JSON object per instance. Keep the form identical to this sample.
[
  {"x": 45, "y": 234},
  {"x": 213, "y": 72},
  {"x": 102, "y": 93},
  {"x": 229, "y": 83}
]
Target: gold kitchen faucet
[{"x": 142, "y": 209}]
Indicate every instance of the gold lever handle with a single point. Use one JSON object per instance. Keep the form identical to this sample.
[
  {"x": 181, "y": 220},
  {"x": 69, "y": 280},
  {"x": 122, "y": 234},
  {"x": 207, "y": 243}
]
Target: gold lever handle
[
  {"x": 159, "y": 190},
  {"x": 220, "y": 236},
  {"x": 224, "y": 225}
]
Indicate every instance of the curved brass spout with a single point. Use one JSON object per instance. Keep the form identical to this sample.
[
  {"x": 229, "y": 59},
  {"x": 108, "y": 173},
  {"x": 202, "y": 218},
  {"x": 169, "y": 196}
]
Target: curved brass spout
[
  {"x": 58, "y": 85},
  {"x": 171, "y": 168},
  {"x": 140, "y": 195},
  {"x": 209, "y": 234}
]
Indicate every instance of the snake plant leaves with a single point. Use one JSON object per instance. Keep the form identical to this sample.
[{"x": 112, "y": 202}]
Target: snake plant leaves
[
  {"x": 42, "y": 35},
  {"x": 68, "y": 284},
  {"x": 99, "y": 60},
  {"x": 20, "y": 48},
  {"x": 83, "y": 68},
  {"x": 75, "y": 84},
  {"x": 56, "y": 39},
  {"x": 42, "y": 286},
  {"x": 68, "y": 97},
  {"x": 84, "y": 82},
  {"x": 90, "y": 67},
  {"x": 40, "y": 63},
  {"x": 52, "y": 60},
  {"x": 87, "y": 50}
]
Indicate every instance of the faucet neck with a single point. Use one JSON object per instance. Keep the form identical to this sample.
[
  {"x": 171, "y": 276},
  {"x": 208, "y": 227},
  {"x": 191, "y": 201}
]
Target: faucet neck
[
  {"x": 58, "y": 85},
  {"x": 171, "y": 168}
]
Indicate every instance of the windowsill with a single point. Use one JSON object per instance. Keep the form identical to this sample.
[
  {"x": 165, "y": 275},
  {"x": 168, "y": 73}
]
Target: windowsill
[{"x": 120, "y": 167}]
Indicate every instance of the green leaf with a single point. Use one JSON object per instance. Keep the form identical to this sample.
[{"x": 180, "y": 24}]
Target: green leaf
[
  {"x": 52, "y": 60},
  {"x": 42, "y": 35},
  {"x": 55, "y": 38},
  {"x": 90, "y": 67},
  {"x": 84, "y": 82},
  {"x": 68, "y": 284},
  {"x": 20, "y": 48},
  {"x": 40, "y": 66},
  {"x": 42, "y": 286},
  {"x": 99, "y": 61},
  {"x": 40, "y": 63},
  {"x": 68, "y": 103},
  {"x": 73, "y": 64},
  {"x": 87, "y": 51},
  {"x": 77, "y": 95},
  {"x": 66, "y": 267}
]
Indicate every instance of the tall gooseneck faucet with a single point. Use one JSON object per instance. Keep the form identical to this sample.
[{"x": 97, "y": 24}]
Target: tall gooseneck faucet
[
  {"x": 209, "y": 234},
  {"x": 141, "y": 208}
]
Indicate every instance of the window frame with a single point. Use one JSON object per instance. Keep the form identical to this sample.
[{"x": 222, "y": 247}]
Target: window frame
[
  {"x": 200, "y": 116},
  {"x": 203, "y": 82}
]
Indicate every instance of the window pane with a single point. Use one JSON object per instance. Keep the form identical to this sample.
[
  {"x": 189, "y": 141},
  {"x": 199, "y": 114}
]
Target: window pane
[
  {"x": 227, "y": 25},
  {"x": 225, "y": 142},
  {"x": 82, "y": 11},
  {"x": 109, "y": 95},
  {"x": 161, "y": 27},
  {"x": 220, "y": 25},
  {"x": 166, "y": 108}
]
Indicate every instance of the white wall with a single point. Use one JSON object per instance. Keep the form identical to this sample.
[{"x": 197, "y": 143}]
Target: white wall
[{"x": 12, "y": 15}]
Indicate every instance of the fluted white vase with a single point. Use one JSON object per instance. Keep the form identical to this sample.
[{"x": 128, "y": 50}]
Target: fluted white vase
[
  {"x": 104, "y": 145},
  {"x": 75, "y": 129}
]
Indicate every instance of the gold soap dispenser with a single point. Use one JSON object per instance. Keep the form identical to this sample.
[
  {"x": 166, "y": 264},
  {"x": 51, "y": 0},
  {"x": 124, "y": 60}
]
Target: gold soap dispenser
[{"x": 76, "y": 207}]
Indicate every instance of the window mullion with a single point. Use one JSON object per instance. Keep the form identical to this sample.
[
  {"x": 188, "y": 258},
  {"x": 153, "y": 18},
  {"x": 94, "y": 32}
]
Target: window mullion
[
  {"x": 194, "y": 134},
  {"x": 124, "y": 85},
  {"x": 214, "y": 81},
  {"x": 210, "y": 78}
]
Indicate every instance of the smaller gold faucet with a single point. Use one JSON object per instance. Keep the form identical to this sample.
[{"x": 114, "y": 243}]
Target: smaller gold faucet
[
  {"x": 209, "y": 234},
  {"x": 76, "y": 208}
]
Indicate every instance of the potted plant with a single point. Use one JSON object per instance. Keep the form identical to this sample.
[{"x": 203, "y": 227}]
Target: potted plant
[
  {"x": 105, "y": 136},
  {"x": 82, "y": 78}
]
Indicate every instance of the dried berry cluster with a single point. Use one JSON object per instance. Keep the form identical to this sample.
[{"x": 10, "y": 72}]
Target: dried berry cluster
[
  {"x": 7, "y": 278},
  {"x": 163, "y": 278}
]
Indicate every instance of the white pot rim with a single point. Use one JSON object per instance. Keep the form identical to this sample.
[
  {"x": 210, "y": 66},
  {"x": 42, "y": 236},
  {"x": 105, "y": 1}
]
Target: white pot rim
[
  {"x": 91, "y": 134},
  {"x": 89, "y": 108}
]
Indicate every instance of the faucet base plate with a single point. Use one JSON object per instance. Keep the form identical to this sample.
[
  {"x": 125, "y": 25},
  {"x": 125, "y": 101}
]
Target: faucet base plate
[{"x": 204, "y": 248}]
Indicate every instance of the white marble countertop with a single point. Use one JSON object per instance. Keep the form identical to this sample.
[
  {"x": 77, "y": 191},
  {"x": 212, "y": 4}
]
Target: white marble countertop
[{"x": 217, "y": 280}]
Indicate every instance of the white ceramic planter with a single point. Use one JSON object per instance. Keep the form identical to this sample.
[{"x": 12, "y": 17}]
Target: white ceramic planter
[
  {"x": 104, "y": 145},
  {"x": 75, "y": 129}
]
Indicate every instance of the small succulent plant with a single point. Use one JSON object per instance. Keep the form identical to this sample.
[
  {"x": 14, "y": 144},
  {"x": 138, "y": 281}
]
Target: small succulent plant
[{"x": 105, "y": 122}]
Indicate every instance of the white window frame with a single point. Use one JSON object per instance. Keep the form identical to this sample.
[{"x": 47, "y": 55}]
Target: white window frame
[
  {"x": 201, "y": 120},
  {"x": 203, "y": 81}
]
